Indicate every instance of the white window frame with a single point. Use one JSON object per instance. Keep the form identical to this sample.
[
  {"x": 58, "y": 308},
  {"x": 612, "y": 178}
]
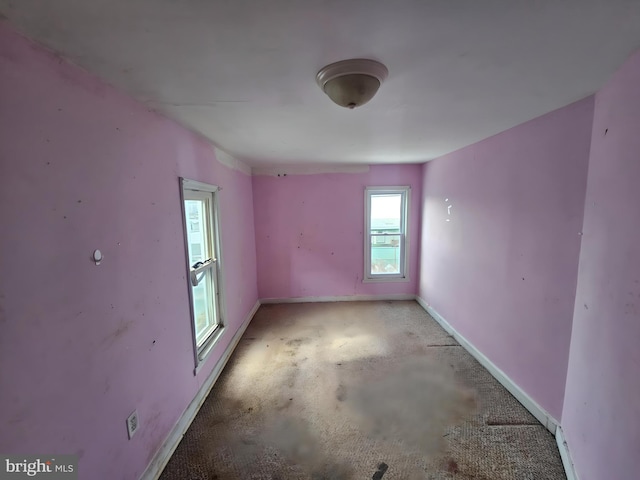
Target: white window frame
[
  {"x": 403, "y": 276},
  {"x": 202, "y": 352}
]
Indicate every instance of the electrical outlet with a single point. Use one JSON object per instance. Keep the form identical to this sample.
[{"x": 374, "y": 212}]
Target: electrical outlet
[{"x": 132, "y": 423}]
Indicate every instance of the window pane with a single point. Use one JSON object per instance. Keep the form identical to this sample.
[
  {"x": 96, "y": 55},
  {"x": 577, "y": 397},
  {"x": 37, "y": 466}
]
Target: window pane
[
  {"x": 386, "y": 213},
  {"x": 386, "y": 224},
  {"x": 385, "y": 254},
  {"x": 203, "y": 308},
  {"x": 199, "y": 251},
  {"x": 196, "y": 233},
  {"x": 195, "y": 254}
]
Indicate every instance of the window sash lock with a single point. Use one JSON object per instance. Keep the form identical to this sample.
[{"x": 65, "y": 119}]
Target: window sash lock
[{"x": 201, "y": 268}]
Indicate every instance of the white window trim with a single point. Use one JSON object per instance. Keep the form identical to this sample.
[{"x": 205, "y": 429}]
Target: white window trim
[
  {"x": 403, "y": 276},
  {"x": 200, "y": 355}
]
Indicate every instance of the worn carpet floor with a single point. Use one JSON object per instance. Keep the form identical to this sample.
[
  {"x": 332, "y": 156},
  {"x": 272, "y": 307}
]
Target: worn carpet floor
[{"x": 359, "y": 390}]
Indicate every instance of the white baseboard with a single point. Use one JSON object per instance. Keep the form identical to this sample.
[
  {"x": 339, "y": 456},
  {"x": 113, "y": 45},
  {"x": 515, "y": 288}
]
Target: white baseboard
[
  {"x": 154, "y": 469},
  {"x": 569, "y": 468},
  {"x": 527, "y": 402},
  {"x": 346, "y": 298}
]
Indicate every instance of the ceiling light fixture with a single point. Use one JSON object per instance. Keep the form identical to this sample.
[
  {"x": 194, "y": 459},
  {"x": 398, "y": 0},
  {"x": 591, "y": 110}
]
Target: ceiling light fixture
[{"x": 351, "y": 83}]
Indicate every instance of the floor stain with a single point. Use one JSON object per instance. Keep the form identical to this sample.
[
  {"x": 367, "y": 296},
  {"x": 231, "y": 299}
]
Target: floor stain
[{"x": 353, "y": 394}]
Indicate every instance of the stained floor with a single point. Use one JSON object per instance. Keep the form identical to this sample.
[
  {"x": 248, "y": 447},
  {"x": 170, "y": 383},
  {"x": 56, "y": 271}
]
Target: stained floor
[{"x": 359, "y": 390}]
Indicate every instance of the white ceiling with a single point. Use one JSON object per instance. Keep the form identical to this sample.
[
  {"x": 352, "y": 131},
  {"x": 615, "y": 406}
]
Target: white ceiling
[{"x": 242, "y": 72}]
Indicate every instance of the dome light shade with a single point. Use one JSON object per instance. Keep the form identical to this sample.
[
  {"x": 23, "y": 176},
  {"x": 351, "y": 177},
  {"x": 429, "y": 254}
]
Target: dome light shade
[{"x": 351, "y": 83}]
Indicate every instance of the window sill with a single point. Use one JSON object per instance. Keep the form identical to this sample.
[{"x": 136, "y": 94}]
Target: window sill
[
  {"x": 385, "y": 279},
  {"x": 208, "y": 348}
]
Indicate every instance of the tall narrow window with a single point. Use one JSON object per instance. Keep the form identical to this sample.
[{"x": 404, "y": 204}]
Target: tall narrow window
[
  {"x": 203, "y": 263},
  {"x": 386, "y": 233}
]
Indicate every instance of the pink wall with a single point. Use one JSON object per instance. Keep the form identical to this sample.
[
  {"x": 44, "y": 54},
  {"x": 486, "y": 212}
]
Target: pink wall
[
  {"x": 502, "y": 270},
  {"x": 309, "y": 239},
  {"x": 601, "y": 416},
  {"x": 84, "y": 167}
]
